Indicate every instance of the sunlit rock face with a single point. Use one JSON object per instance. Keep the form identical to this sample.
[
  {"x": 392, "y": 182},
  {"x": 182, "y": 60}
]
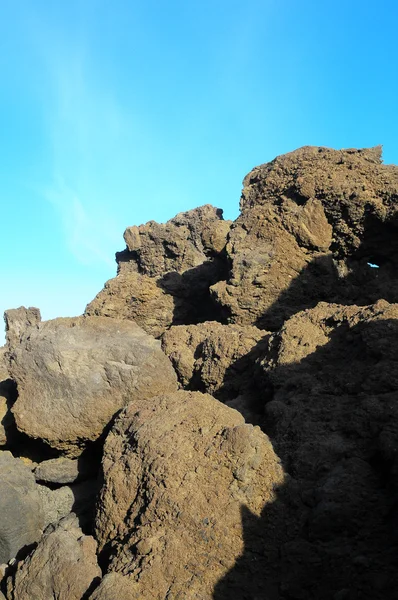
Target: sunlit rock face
[{"x": 250, "y": 451}]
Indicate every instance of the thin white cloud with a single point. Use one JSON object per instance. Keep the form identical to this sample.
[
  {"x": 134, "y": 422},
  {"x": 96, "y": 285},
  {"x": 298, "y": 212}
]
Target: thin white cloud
[
  {"x": 84, "y": 130},
  {"x": 90, "y": 236}
]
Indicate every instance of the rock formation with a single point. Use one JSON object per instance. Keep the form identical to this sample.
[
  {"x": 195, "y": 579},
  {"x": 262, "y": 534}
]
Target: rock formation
[
  {"x": 248, "y": 452},
  {"x": 74, "y": 375}
]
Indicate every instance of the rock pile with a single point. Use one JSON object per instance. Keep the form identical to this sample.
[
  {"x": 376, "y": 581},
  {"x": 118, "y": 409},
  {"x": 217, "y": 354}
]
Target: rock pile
[{"x": 223, "y": 420}]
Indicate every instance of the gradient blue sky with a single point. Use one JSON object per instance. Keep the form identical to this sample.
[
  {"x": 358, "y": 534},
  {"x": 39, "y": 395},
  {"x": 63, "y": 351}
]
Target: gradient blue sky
[{"x": 115, "y": 113}]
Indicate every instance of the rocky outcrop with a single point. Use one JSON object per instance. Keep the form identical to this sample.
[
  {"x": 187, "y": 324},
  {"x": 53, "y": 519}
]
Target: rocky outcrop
[
  {"x": 310, "y": 223},
  {"x": 21, "y": 514},
  {"x": 176, "y": 474},
  {"x": 329, "y": 392},
  {"x": 63, "y": 566},
  {"x": 220, "y": 360},
  {"x": 288, "y": 315},
  {"x": 166, "y": 271},
  {"x": 74, "y": 374}
]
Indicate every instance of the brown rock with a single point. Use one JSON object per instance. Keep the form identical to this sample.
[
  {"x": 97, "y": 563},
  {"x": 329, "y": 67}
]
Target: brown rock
[
  {"x": 330, "y": 386},
  {"x": 63, "y": 566},
  {"x": 184, "y": 242},
  {"x": 311, "y": 222},
  {"x": 165, "y": 274},
  {"x": 217, "y": 359},
  {"x": 137, "y": 298},
  {"x": 18, "y": 320},
  {"x": 3, "y": 365},
  {"x": 58, "y": 470},
  {"x": 176, "y": 474},
  {"x": 116, "y": 585},
  {"x": 74, "y": 374}
]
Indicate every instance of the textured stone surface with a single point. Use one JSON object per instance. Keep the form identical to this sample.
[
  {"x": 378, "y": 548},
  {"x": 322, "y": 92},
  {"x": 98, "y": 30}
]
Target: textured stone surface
[
  {"x": 122, "y": 587},
  {"x": 74, "y": 374},
  {"x": 18, "y": 320},
  {"x": 63, "y": 566},
  {"x": 58, "y": 470},
  {"x": 21, "y": 516},
  {"x": 3, "y": 365},
  {"x": 137, "y": 298},
  {"x": 184, "y": 242},
  {"x": 330, "y": 391},
  {"x": 218, "y": 359},
  {"x": 78, "y": 498},
  {"x": 176, "y": 474},
  {"x": 311, "y": 221},
  {"x": 165, "y": 274}
]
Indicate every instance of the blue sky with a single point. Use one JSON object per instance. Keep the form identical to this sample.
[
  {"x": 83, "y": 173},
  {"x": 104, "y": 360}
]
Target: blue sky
[{"x": 115, "y": 113}]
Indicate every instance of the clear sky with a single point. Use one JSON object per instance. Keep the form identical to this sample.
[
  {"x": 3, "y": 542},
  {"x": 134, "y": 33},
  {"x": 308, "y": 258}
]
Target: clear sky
[{"x": 115, "y": 113}]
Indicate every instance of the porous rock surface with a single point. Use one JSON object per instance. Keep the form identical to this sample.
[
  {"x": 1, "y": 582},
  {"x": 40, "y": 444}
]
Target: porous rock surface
[
  {"x": 74, "y": 374},
  {"x": 63, "y": 566},
  {"x": 176, "y": 474},
  {"x": 166, "y": 271},
  {"x": 290, "y": 315},
  {"x": 330, "y": 386},
  {"x": 310, "y": 222}
]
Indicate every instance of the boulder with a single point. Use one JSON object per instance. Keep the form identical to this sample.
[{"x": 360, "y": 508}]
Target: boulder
[
  {"x": 176, "y": 475},
  {"x": 63, "y": 566},
  {"x": 3, "y": 365},
  {"x": 7, "y": 396},
  {"x": 311, "y": 222},
  {"x": 21, "y": 515},
  {"x": 75, "y": 374},
  {"x": 218, "y": 359},
  {"x": 60, "y": 470},
  {"x": 18, "y": 320},
  {"x": 116, "y": 585},
  {"x": 184, "y": 242},
  {"x": 165, "y": 274},
  {"x": 329, "y": 381},
  {"x": 78, "y": 498},
  {"x": 137, "y": 298}
]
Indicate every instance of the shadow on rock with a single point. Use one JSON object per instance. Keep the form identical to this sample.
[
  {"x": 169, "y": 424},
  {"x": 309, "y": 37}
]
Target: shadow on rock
[
  {"x": 190, "y": 291},
  {"x": 333, "y": 420}
]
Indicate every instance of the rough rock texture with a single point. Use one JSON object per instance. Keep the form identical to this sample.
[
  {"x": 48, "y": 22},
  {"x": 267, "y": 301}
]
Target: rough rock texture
[
  {"x": 21, "y": 515},
  {"x": 330, "y": 385},
  {"x": 3, "y": 365},
  {"x": 58, "y": 470},
  {"x": 74, "y": 374},
  {"x": 116, "y": 585},
  {"x": 218, "y": 359},
  {"x": 310, "y": 223},
  {"x": 176, "y": 474},
  {"x": 165, "y": 274},
  {"x": 290, "y": 315},
  {"x": 63, "y": 566},
  {"x": 18, "y": 320},
  {"x": 184, "y": 242},
  {"x": 78, "y": 498}
]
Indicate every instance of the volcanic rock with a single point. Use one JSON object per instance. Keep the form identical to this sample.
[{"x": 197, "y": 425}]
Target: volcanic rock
[
  {"x": 63, "y": 566},
  {"x": 18, "y": 320},
  {"x": 21, "y": 515},
  {"x": 59, "y": 470},
  {"x": 74, "y": 374},
  {"x": 311, "y": 222},
  {"x": 165, "y": 274},
  {"x": 176, "y": 473},
  {"x": 330, "y": 386},
  {"x": 220, "y": 360}
]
